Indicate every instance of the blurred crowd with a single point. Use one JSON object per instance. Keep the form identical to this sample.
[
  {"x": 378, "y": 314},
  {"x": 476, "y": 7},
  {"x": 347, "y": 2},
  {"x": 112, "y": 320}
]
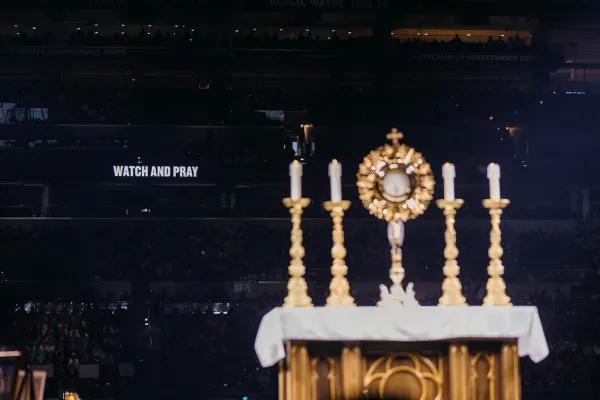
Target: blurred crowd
[
  {"x": 185, "y": 332},
  {"x": 214, "y": 340},
  {"x": 251, "y": 39},
  {"x": 519, "y": 133},
  {"x": 514, "y": 129},
  {"x": 181, "y": 341},
  {"x": 216, "y": 101},
  {"x": 72, "y": 340},
  {"x": 231, "y": 250},
  {"x": 69, "y": 335}
]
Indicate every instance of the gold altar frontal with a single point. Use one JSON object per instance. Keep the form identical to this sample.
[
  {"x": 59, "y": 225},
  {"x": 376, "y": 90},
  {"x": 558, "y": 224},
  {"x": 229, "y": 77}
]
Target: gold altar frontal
[{"x": 441, "y": 370}]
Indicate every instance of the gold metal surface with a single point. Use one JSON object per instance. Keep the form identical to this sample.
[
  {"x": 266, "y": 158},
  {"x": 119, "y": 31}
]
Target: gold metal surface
[
  {"x": 451, "y": 287},
  {"x": 299, "y": 366},
  {"x": 389, "y": 158},
  {"x": 423, "y": 369},
  {"x": 347, "y": 372},
  {"x": 297, "y": 289},
  {"x": 457, "y": 361},
  {"x": 490, "y": 361},
  {"x": 331, "y": 377},
  {"x": 314, "y": 378},
  {"x": 351, "y": 361},
  {"x": 281, "y": 381},
  {"x": 496, "y": 287},
  {"x": 339, "y": 288},
  {"x": 511, "y": 381}
]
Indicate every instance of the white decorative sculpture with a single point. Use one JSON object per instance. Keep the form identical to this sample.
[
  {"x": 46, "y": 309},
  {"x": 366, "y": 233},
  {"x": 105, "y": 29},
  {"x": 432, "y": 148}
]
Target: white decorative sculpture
[{"x": 396, "y": 296}]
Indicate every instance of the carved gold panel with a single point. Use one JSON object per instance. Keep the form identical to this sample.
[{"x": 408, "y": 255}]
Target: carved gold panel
[
  {"x": 483, "y": 370},
  {"x": 409, "y": 376},
  {"x": 324, "y": 378},
  {"x": 483, "y": 376}
]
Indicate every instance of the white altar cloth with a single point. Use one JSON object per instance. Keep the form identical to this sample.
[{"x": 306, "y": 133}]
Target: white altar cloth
[{"x": 399, "y": 325}]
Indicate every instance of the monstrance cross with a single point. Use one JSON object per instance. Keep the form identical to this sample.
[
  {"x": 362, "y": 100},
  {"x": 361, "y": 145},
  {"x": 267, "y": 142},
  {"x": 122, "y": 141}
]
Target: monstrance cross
[{"x": 394, "y": 136}]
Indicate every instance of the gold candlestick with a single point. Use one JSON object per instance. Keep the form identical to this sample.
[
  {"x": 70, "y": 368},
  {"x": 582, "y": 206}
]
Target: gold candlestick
[
  {"x": 339, "y": 288},
  {"x": 451, "y": 288},
  {"x": 496, "y": 288},
  {"x": 297, "y": 289}
]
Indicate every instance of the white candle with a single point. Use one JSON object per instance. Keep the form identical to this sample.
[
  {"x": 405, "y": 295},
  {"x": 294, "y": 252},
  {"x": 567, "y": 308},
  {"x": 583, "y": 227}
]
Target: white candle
[
  {"x": 493, "y": 174},
  {"x": 448, "y": 173},
  {"x": 335, "y": 181},
  {"x": 296, "y": 180}
]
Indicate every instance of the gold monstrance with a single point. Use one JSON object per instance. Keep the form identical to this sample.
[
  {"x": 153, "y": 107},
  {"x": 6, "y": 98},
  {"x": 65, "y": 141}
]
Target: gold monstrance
[{"x": 395, "y": 184}]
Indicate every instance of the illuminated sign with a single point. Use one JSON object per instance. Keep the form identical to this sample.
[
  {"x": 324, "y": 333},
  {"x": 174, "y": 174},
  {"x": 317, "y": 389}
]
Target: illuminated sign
[
  {"x": 332, "y": 4},
  {"x": 476, "y": 57},
  {"x": 155, "y": 171}
]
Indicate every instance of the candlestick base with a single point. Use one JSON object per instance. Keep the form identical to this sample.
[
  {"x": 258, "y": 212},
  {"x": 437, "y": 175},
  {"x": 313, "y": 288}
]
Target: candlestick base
[
  {"x": 339, "y": 288},
  {"x": 297, "y": 288},
  {"x": 496, "y": 287},
  {"x": 451, "y": 287}
]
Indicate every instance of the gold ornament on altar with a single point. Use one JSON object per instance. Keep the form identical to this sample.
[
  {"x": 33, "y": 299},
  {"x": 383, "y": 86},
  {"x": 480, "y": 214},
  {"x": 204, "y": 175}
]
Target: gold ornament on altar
[
  {"x": 395, "y": 182},
  {"x": 339, "y": 288},
  {"x": 496, "y": 287},
  {"x": 451, "y": 287},
  {"x": 297, "y": 287}
]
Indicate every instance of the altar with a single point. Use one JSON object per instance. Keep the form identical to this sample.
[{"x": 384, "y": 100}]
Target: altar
[
  {"x": 423, "y": 353},
  {"x": 398, "y": 350}
]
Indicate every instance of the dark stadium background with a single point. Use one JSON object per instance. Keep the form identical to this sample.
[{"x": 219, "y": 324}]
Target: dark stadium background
[{"x": 142, "y": 287}]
